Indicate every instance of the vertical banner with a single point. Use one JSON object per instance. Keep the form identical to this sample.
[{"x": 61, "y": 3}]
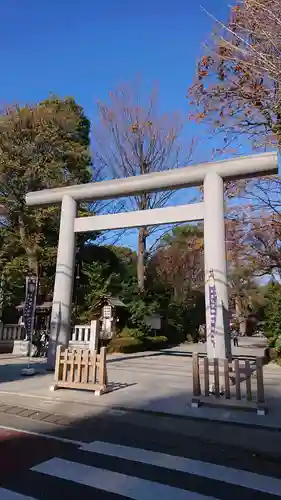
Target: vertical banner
[
  {"x": 1, "y": 296},
  {"x": 30, "y": 305},
  {"x": 213, "y": 306}
]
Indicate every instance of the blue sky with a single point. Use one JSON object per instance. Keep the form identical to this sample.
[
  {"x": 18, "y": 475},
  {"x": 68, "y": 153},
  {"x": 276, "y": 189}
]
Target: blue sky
[{"x": 87, "y": 48}]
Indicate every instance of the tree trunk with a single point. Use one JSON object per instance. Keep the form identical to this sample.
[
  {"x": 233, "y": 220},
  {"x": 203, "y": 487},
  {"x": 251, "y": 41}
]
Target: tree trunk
[
  {"x": 240, "y": 316},
  {"x": 141, "y": 258}
]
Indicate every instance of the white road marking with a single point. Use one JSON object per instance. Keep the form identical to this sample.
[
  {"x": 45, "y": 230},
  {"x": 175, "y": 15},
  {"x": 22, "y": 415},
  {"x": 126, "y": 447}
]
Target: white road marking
[
  {"x": 208, "y": 470},
  {"x": 114, "y": 482},
  {"x": 13, "y": 495}
]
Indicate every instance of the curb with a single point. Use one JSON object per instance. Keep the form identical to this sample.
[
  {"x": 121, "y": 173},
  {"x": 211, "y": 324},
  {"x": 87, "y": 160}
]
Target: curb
[
  {"x": 155, "y": 413},
  {"x": 199, "y": 418},
  {"x": 63, "y": 422}
]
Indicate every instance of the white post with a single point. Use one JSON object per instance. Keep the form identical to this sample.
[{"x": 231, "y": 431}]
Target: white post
[
  {"x": 75, "y": 334},
  {"x": 62, "y": 298},
  {"x": 216, "y": 293},
  {"x": 88, "y": 335},
  {"x": 72, "y": 335},
  {"x": 94, "y": 340},
  {"x": 80, "y": 334}
]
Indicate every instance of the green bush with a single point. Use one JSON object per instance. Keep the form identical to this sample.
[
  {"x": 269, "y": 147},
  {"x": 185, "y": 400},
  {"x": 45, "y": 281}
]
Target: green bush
[
  {"x": 159, "y": 342},
  {"x": 271, "y": 354},
  {"x": 271, "y": 341},
  {"x": 131, "y": 333},
  {"x": 272, "y": 313},
  {"x": 126, "y": 345}
]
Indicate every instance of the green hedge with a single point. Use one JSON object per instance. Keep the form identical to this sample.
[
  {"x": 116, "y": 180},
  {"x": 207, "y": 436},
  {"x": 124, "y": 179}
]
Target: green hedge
[
  {"x": 159, "y": 342},
  {"x": 128, "y": 345},
  {"x": 132, "y": 333}
]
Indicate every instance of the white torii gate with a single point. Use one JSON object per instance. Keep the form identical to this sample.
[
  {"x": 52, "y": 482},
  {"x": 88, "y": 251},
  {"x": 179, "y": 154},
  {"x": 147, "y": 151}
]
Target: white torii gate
[{"x": 211, "y": 211}]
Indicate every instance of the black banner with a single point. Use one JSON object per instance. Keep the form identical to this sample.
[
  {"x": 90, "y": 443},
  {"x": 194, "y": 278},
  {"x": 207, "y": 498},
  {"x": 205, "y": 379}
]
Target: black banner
[
  {"x": 30, "y": 305},
  {"x": 1, "y": 296},
  {"x": 213, "y": 306}
]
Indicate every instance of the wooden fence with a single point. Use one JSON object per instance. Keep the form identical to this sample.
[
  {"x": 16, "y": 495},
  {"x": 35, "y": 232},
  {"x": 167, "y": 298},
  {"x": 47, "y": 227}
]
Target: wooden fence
[
  {"x": 220, "y": 382},
  {"x": 81, "y": 369}
]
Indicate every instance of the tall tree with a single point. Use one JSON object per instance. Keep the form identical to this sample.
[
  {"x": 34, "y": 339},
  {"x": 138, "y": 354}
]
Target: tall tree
[
  {"x": 41, "y": 146},
  {"x": 105, "y": 270},
  {"x": 264, "y": 245},
  {"x": 237, "y": 84},
  {"x": 176, "y": 280},
  {"x": 237, "y": 92},
  {"x": 178, "y": 261},
  {"x": 244, "y": 264},
  {"x": 237, "y": 87},
  {"x": 134, "y": 138}
]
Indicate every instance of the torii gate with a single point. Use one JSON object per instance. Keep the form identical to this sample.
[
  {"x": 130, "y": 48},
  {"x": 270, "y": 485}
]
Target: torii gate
[{"x": 211, "y": 211}]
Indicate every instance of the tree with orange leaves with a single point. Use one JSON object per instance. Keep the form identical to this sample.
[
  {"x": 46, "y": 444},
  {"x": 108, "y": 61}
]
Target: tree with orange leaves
[
  {"x": 237, "y": 92},
  {"x": 237, "y": 86},
  {"x": 179, "y": 261}
]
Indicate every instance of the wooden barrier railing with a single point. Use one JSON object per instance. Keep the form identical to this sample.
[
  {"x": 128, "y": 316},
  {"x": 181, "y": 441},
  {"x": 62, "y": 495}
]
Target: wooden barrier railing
[
  {"x": 222, "y": 382},
  {"x": 80, "y": 369}
]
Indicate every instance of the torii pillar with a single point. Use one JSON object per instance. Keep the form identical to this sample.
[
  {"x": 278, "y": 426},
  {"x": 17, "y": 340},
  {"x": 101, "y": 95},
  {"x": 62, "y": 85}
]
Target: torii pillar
[{"x": 216, "y": 287}]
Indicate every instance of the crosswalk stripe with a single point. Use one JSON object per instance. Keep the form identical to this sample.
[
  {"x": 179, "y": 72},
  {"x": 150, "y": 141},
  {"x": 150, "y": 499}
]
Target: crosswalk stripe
[
  {"x": 13, "y": 495},
  {"x": 114, "y": 482},
  {"x": 257, "y": 482}
]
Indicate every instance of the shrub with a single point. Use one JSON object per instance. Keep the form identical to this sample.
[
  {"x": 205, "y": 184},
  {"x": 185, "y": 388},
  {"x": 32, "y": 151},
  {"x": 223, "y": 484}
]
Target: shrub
[
  {"x": 126, "y": 345},
  {"x": 271, "y": 354},
  {"x": 159, "y": 342},
  {"x": 131, "y": 333},
  {"x": 273, "y": 316},
  {"x": 271, "y": 342}
]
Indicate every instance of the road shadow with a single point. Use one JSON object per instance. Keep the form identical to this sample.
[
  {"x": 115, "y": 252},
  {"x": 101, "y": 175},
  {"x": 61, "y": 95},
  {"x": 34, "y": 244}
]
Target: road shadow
[
  {"x": 169, "y": 352},
  {"x": 127, "y": 357},
  {"x": 11, "y": 372}
]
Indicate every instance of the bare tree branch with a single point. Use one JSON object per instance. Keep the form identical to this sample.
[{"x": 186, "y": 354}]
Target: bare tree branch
[{"x": 132, "y": 137}]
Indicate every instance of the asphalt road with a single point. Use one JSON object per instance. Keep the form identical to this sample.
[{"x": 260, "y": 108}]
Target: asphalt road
[{"x": 114, "y": 460}]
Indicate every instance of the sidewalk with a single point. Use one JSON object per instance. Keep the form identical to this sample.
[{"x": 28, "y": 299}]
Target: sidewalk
[{"x": 156, "y": 383}]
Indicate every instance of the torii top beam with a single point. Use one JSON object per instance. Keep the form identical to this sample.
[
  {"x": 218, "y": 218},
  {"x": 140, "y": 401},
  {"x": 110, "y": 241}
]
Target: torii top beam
[{"x": 237, "y": 168}]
